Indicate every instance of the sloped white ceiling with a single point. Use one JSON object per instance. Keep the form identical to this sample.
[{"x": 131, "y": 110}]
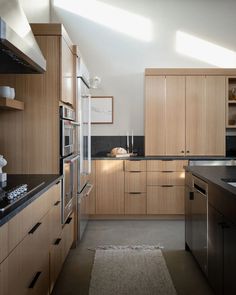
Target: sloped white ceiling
[{"x": 118, "y": 50}]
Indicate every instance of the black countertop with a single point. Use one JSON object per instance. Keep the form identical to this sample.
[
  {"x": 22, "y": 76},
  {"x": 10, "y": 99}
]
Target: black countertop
[
  {"x": 195, "y": 158},
  {"x": 216, "y": 175},
  {"x": 37, "y": 185}
]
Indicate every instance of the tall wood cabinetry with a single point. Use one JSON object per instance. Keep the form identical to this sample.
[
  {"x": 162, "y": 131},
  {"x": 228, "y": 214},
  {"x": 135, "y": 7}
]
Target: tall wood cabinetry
[
  {"x": 33, "y": 134},
  {"x": 185, "y": 112}
]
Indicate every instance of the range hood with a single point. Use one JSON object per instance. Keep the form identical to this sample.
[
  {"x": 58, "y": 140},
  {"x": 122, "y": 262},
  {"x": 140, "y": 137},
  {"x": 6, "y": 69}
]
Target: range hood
[{"x": 19, "y": 51}]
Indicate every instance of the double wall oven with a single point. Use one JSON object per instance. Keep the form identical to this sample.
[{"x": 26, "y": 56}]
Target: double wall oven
[{"x": 69, "y": 161}]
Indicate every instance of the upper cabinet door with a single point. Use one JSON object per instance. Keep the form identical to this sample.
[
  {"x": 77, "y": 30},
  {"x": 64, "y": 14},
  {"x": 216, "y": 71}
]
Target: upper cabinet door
[
  {"x": 205, "y": 115},
  {"x": 67, "y": 74},
  {"x": 195, "y": 115},
  {"x": 175, "y": 115},
  {"x": 155, "y": 116},
  {"x": 215, "y": 116}
]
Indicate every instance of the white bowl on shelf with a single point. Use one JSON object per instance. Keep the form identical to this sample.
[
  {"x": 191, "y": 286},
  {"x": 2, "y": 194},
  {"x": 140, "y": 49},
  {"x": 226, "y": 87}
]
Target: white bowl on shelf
[
  {"x": 12, "y": 93},
  {"x": 6, "y": 92}
]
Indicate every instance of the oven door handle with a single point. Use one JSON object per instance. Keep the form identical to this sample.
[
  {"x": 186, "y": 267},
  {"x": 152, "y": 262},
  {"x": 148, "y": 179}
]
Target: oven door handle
[
  {"x": 90, "y": 187},
  {"x": 71, "y": 160},
  {"x": 75, "y": 123}
]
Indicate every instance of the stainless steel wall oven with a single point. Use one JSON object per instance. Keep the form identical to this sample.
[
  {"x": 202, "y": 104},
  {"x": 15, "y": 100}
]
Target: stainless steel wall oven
[{"x": 69, "y": 160}]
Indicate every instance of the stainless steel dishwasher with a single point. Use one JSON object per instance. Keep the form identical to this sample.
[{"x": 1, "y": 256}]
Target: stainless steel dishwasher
[{"x": 199, "y": 222}]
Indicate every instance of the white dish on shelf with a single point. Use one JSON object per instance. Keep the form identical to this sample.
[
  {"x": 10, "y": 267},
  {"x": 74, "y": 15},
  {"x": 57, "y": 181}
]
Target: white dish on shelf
[{"x": 7, "y": 92}]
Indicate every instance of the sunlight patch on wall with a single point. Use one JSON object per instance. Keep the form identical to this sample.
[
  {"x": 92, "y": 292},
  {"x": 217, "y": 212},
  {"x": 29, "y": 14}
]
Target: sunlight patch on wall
[
  {"x": 208, "y": 52},
  {"x": 119, "y": 20}
]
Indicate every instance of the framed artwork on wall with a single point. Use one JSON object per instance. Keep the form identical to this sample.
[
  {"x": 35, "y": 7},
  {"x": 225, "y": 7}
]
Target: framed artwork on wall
[{"x": 102, "y": 109}]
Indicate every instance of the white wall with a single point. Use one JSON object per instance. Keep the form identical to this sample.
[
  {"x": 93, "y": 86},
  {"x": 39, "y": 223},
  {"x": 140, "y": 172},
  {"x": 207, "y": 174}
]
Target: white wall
[
  {"x": 120, "y": 60},
  {"x": 36, "y": 11}
]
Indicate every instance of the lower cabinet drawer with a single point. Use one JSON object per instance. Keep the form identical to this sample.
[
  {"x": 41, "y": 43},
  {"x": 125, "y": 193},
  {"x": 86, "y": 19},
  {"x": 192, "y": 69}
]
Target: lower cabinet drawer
[
  {"x": 135, "y": 203},
  {"x": 165, "y": 200},
  {"x": 165, "y": 178},
  {"x": 135, "y": 182},
  {"x": 169, "y": 165}
]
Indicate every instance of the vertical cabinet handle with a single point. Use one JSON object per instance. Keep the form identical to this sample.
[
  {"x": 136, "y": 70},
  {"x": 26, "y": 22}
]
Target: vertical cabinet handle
[{"x": 36, "y": 277}]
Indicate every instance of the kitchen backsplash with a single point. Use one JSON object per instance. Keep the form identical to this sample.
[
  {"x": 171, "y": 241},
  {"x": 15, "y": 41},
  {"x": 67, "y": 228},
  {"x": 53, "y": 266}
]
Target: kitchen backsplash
[
  {"x": 102, "y": 145},
  {"x": 230, "y": 146}
]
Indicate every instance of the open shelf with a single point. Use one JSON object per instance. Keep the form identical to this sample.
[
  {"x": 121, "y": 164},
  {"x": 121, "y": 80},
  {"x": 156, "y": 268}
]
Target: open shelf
[{"x": 11, "y": 104}]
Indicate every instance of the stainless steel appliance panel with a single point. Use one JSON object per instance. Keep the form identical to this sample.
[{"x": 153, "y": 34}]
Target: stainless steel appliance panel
[
  {"x": 68, "y": 169},
  {"x": 83, "y": 209},
  {"x": 199, "y": 222},
  {"x": 67, "y": 131}
]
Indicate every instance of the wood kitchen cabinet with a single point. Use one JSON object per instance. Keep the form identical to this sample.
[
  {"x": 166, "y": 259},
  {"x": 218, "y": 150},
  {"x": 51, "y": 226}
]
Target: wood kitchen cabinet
[
  {"x": 135, "y": 187},
  {"x": 36, "y": 131},
  {"x": 165, "y": 187},
  {"x": 3, "y": 241},
  {"x": 221, "y": 252},
  {"x": 155, "y": 115},
  {"x": 185, "y": 112},
  {"x": 205, "y": 115},
  {"x": 109, "y": 187},
  {"x": 175, "y": 115},
  {"x": 34, "y": 259},
  {"x": 67, "y": 73}
]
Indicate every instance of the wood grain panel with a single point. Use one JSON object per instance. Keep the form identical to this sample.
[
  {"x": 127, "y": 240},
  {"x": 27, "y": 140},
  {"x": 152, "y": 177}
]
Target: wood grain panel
[
  {"x": 67, "y": 74},
  {"x": 4, "y": 277},
  {"x": 163, "y": 165},
  {"x": 31, "y": 137},
  {"x": 165, "y": 200},
  {"x": 215, "y": 120},
  {"x": 155, "y": 116},
  {"x": 189, "y": 71},
  {"x": 135, "y": 181},
  {"x": 175, "y": 115},
  {"x": 3, "y": 241},
  {"x": 135, "y": 203},
  {"x": 135, "y": 165},
  {"x": 92, "y": 195},
  {"x": 109, "y": 187},
  {"x": 168, "y": 178},
  {"x": 196, "y": 115}
]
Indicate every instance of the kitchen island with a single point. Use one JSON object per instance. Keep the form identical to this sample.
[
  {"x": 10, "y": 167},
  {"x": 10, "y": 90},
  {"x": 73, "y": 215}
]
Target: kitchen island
[{"x": 210, "y": 214}]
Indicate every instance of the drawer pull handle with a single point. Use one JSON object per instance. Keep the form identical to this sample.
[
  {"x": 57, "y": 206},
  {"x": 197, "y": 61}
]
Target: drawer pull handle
[
  {"x": 32, "y": 284},
  {"x": 57, "y": 203},
  {"x": 133, "y": 171},
  {"x": 134, "y": 193},
  {"x": 167, "y": 171},
  {"x": 68, "y": 221},
  {"x": 135, "y": 160},
  {"x": 191, "y": 196},
  {"x": 34, "y": 228},
  {"x": 165, "y": 160},
  {"x": 166, "y": 185},
  {"x": 57, "y": 242}
]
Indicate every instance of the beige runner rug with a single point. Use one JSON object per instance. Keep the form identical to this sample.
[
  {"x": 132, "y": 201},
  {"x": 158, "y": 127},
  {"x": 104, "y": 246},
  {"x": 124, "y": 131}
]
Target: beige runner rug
[{"x": 130, "y": 270}]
